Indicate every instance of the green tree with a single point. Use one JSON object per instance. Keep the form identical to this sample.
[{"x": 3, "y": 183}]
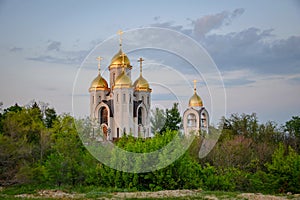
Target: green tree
[
  {"x": 292, "y": 127},
  {"x": 173, "y": 119},
  {"x": 24, "y": 142},
  {"x": 50, "y": 117},
  {"x": 64, "y": 164},
  {"x": 16, "y": 108},
  {"x": 157, "y": 120},
  {"x": 284, "y": 170},
  {"x": 1, "y": 109},
  {"x": 243, "y": 124}
]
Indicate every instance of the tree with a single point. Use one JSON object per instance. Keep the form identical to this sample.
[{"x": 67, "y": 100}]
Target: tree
[
  {"x": 24, "y": 142},
  {"x": 173, "y": 119},
  {"x": 37, "y": 110},
  {"x": 1, "y": 104},
  {"x": 284, "y": 170},
  {"x": 243, "y": 124},
  {"x": 50, "y": 117},
  {"x": 292, "y": 127},
  {"x": 157, "y": 120},
  {"x": 64, "y": 163},
  {"x": 13, "y": 109}
]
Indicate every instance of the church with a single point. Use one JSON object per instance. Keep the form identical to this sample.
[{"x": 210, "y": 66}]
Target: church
[{"x": 122, "y": 107}]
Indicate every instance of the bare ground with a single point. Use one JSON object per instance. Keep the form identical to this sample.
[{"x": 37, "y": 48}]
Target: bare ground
[{"x": 183, "y": 194}]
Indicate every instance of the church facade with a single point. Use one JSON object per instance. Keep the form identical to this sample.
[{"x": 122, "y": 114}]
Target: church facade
[{"x": 122, "y": 107}]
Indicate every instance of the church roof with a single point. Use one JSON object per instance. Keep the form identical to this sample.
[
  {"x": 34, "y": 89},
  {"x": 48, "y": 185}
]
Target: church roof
[
  {"x": 99, "y": 83},
  {"x": 123, "y": 81},
  {"x": 117, "y": 60},
  {"x": 141, "y": 84},
  {"x": 195, "y": 100}
]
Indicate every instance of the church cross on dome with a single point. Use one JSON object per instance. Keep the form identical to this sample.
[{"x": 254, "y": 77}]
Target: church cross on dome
[
  {"x": 120, "y": 33},
  {"x": 195, "y": 85},
  {"x": 141, "y": 61},
  {"x": 99, "y": 58}
]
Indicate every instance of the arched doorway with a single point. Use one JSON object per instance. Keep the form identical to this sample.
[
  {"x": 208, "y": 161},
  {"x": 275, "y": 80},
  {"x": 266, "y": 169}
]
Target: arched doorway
[
  {"x": 103, "y": 120},
  {"x": 103, "y": 115}
]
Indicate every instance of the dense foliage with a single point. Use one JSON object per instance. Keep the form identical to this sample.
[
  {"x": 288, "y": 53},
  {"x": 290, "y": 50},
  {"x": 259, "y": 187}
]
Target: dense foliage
[{"x": 39, "y": 147}]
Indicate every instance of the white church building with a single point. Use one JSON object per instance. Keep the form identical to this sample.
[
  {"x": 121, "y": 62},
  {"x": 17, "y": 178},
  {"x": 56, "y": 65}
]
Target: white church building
[
  {"x": 195, "y": 117},
  {"x": 122, "y": 107}
]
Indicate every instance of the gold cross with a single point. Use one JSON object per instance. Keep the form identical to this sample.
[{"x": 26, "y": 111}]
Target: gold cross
[
  {"x": 99, "y": 58},
  {"x": 195, "y": 85},
  {"x": 140, "y": 61},
  {"x": 120, "y": 33}
]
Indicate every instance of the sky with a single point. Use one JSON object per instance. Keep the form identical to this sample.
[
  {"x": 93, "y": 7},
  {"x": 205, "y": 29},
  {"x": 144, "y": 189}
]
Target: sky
[{"x": 254, "y": 44}]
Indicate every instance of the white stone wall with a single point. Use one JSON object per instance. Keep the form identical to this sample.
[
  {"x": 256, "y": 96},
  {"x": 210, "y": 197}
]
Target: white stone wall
[{"x": 123, "y": 111}]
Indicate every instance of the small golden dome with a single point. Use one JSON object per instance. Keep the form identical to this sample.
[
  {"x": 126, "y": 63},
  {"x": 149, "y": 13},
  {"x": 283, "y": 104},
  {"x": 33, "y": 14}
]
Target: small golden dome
[
  {"x": 117, "y": 60},
  {"x": 141, "y": 84},
  {"x": 195, "y": 101},
  {"x": 123, "y": 81},
  {"x": 99, "y": 83}
]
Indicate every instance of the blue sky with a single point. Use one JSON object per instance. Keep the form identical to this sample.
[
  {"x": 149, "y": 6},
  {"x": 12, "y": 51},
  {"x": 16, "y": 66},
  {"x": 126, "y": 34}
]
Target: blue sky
[{"x": 255, "y": 45}]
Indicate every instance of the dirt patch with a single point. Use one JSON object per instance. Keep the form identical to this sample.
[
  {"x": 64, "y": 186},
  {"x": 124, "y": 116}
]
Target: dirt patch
[
  {"x": 59, "y": 194},
  {"x": 159, "y": 194},
  {"x": 252, "y": 196},
  {"x": 55, "y": 194}
]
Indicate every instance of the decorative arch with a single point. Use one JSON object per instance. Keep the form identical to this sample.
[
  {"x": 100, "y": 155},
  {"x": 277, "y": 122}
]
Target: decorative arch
[
  {"x": 142, "y": 116},
  {"x": 204, "y": 119},
  {"x": 191, "y": 121},
  {"x": 102, "y": 113}
]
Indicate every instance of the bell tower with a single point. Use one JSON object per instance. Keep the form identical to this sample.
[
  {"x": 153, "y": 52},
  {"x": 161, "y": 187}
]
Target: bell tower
[{"x": 195, "y": 117}]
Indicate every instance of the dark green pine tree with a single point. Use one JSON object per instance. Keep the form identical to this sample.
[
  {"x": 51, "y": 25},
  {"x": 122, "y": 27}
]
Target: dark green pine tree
[
  {"x": 50, "y": 117},
  {"x": 173, "y": 119}
]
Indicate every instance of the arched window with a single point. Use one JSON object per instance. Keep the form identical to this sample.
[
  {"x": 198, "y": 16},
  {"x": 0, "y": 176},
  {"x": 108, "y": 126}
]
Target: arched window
[
  {"x": 143, "y": 99},
  {"x": 140, "y": 115},
  {"x": 191, "y": 120},
  {"x": 203, "y": 120},
  {"x": 124, "y": 98},
  {"x": 103, "y": 115},
  {"x": 114, "y": 77}
]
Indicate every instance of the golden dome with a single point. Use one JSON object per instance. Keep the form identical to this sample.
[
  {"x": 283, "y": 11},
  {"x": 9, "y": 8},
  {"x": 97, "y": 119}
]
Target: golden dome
[
  {"x": 117, "y": 60},
  {"x": 141, "y": 84},
  {"x": 195, "y": 101},
  {"x": 99, "y": 83},
  {"x": 123, "y": 81}
]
